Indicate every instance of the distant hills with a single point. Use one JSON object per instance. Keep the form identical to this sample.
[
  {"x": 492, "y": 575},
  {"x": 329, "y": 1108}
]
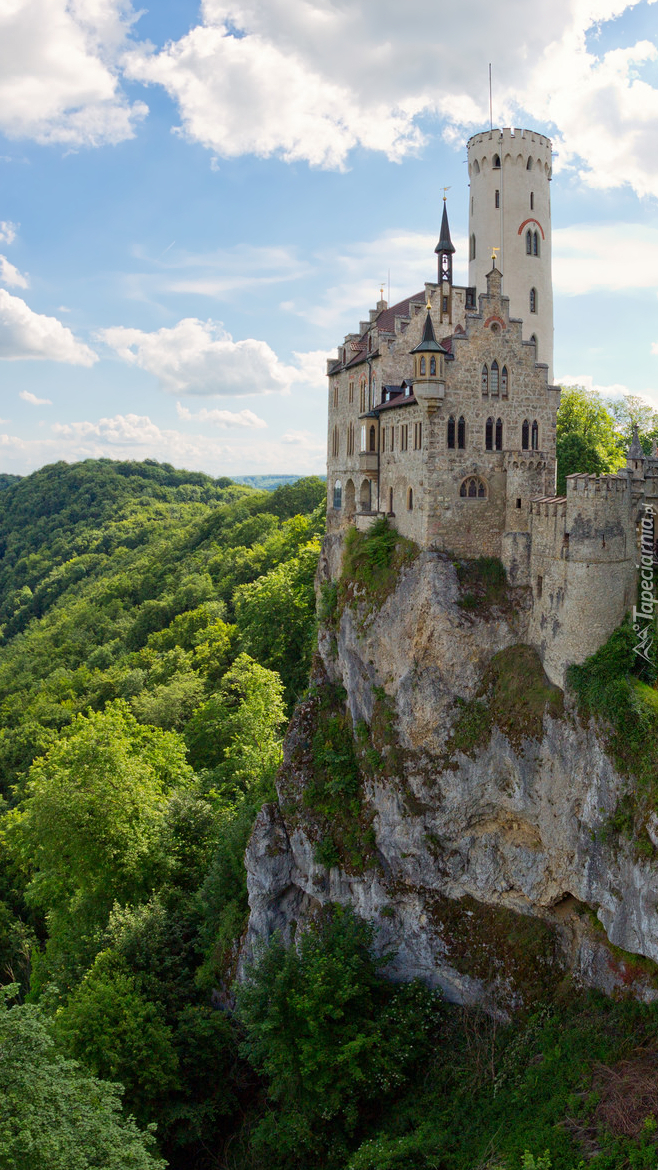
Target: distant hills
[{"x": 265, "y": 483}]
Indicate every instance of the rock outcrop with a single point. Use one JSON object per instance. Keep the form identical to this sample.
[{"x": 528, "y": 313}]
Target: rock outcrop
[{"x": 475, "y": 834}]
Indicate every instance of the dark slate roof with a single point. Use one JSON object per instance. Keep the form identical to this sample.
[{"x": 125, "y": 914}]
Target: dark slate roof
[
  {"x": 445, "y": 244},
  {"x": 428, "y": 342},
  {"x": 399, "y": 400},
  {"x": 386, "y": 319}
]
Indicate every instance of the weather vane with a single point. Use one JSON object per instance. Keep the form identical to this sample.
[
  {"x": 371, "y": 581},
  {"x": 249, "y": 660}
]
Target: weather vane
[
  {"x": 493, "y": 255},
  {"x": 444, "y": 193}
]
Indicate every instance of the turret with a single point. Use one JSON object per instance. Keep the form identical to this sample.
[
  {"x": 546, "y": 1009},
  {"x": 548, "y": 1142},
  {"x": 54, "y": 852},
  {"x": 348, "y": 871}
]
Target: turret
[
  {"x": 445, "y": 250},
  {"x": 510, "y": 209},
  {"x": 429, "y": 367}
]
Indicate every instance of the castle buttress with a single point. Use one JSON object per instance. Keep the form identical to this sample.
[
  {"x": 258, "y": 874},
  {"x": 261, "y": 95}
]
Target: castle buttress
[{"x": 443, "y": 418}]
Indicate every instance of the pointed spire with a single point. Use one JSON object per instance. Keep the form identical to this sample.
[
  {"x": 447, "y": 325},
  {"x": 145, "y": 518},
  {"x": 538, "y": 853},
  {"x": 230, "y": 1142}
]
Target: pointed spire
[
  {"x": 636, "y": 450},
  {"x": 428, "y": 342},
  {"x": 445, "y": 244}
]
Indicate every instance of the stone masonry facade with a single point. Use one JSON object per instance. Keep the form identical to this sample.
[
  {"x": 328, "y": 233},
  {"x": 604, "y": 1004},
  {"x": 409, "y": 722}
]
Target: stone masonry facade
[{"x": 442, "y": 419}]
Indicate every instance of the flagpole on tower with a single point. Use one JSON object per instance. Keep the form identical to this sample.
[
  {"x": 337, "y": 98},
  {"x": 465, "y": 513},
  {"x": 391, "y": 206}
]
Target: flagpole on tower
[{"x": 490, "y": 101}]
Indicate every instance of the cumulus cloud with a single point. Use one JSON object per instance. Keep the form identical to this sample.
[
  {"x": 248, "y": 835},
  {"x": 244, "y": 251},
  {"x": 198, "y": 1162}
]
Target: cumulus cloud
[
  {"x": 221, "y": 418},
  {"x": 11, "y": 276},
  {"x": 58, "y": 71},
  {"x": 7, "y": 231},
  {"x": 311, "y": 79},
  {"x": 33, "y": 400},
  {"x": 26, "y": 334},
  {"x": 200, "y": 357},
  {"x": 219, "y": 274},
  {"x": 611, "y": 390}
]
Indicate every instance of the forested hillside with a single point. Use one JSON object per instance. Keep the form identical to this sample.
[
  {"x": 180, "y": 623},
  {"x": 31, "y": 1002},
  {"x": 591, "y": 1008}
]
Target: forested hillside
[{"x": 158, "y": 628}]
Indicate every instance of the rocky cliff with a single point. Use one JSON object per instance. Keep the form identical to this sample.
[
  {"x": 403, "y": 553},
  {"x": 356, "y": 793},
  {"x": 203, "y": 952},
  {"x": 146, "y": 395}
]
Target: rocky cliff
[{"x": 439, "y": 784}]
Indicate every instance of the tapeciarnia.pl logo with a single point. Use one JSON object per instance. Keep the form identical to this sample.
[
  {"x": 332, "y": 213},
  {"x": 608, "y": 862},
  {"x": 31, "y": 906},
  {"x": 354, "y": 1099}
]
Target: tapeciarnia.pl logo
[{"x": 643, "y": 615}]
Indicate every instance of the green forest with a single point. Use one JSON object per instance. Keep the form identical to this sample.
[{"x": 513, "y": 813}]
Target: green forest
[{"x": 157, "y": 630}]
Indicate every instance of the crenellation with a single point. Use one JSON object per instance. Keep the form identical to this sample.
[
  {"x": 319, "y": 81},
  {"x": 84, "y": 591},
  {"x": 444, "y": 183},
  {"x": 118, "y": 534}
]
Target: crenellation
[{"x": 442, "y": 416}]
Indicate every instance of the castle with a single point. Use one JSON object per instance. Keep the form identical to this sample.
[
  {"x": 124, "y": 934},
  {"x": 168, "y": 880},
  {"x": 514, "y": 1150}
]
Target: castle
[{"x": 442, "y": 417}]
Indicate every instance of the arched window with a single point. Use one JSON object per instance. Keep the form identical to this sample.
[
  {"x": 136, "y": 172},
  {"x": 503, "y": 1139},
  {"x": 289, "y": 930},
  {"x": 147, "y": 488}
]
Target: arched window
[
  {"x": 362, "y": 396},
  {"x": 473, "y": 488},
  {"x": 493, "y": 385},
  {"x": 372, "y": 446},
  {"x": 488, "y": 434},
  {"x": 410, "y": 500},
  {"x": 504, "y": 382},
  {"x": 390, "y": 500},
  {"x": 485, "y": 380},
  {"x": 525, "y": 435},
  {"x": 335, "y": 393},
  {"x": 335, "y": 441},
  {"x": 432, "y": 367},
  {"x": 535, "y": 436},
  {"x": 338, "y": 494},
  {"x": 461, "y": 433},
  {"x": 472, "y": 247},
  {"x": 533, "y": 340},
  {"x": 499, "y": 434},
  {"x": 535, "y": 243},
  {"x": 451, "y": 433},
  {"x": 476, "y": 167},
  {"x": 365, "y": 496},
  {"x": 528, "y": 243},
  {"x": 528, "y": 165},
  {"x": 496, "y": 162},
  {"x": 422, "y": 365},
  {"x": 533, "y": 300},
  {"x": 350, "y": 397}
]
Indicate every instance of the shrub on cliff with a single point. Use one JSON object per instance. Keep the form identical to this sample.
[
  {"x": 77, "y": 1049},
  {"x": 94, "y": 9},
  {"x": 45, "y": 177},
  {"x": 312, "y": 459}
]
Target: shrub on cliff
[{"x": 331, "y": 1036}]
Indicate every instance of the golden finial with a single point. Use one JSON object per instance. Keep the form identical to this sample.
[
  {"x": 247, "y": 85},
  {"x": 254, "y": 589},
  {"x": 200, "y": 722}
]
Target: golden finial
[
  {"x": 493, "y": 255},
  {"x": 428, "y": 306},
  {"x": 444, "y": 193},
  {"x": 381, "y": 293}
]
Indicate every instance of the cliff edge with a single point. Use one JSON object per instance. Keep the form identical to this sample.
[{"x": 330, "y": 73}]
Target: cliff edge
[{"x": 438, "y": 783}]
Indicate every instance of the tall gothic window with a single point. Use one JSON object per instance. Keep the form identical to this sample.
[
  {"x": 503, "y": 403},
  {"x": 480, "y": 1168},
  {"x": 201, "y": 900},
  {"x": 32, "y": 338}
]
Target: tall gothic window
[
  {"x": 451, "y": 433},
  {"x": 535, "y": 436},
  {"x": 485, "y": 379},
  {"x": 461, "y": 433},
  {"x": 488, "y": 434},
  {"x": 533, "y": 300},
  {"x": 496, "y": 162},
  {"x": 535, "y": 243},
  {"x": 422, "y": 365},
  {"x": 528, "y": 243},
  {"x": 504, "y": 382},
  {"x": 372, "y": 440},
  {"x": 499, "y": 434},
  {"x": 338, "y": 494},
  {"x": 493, "y": 385},
  {"x": 525, "y": 435},
  {"x": 335, "y": 442},
  {"x": 432, "y": 367}
]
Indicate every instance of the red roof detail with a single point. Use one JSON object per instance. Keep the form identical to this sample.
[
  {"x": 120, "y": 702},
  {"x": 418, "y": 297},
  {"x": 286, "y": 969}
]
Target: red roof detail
[{"x": 531, "y": 220}]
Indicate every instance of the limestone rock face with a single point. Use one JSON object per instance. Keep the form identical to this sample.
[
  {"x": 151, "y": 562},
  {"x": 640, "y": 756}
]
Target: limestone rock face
[{"x": 483, "y": 865}]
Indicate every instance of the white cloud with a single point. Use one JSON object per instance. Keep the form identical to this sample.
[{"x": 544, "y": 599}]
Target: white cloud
[
  {"x": 33, "y": 400},
  {"x": 26, "y": 334},
  {"x": 199, "y": 357},
  {"x": 58, "y": 72},
  {"x": 221, "y": 418},
  {"x": 133, "y": 436},
  {"x": 616, "y": 257},
  {"x": 11, "y": 276},
  {"x": 7, "y": 231},
  {"x": 311, "y": 79}
]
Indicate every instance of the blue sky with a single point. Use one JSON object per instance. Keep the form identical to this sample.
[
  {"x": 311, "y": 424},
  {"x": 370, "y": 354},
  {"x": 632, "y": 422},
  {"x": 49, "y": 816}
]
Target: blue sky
[{"x": 197, "y": 201}]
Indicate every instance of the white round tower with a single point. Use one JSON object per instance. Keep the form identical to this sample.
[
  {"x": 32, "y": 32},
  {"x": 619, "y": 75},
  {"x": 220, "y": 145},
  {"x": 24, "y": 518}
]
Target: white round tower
[{"x": 510, "y": 210}]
